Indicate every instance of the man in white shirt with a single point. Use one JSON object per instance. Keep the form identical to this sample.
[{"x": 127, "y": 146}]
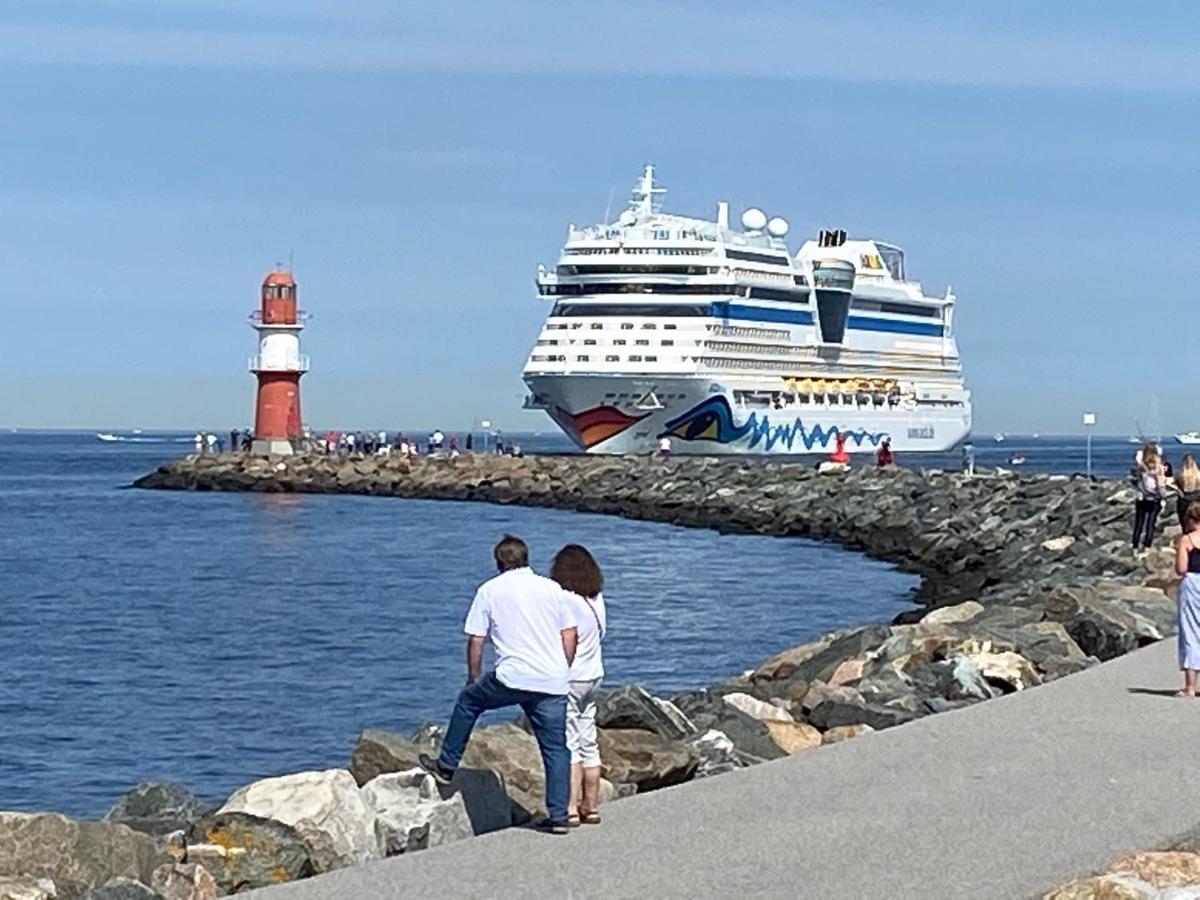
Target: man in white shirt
[{"x": 532, "y": 627}]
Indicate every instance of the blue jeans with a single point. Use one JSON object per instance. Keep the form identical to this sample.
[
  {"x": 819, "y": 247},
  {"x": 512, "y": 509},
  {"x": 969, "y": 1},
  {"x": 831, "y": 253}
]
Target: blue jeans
[{"x": 547, "y": 715}]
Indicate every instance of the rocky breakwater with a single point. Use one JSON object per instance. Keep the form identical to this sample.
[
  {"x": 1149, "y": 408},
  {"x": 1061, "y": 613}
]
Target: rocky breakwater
[{"x": 1024, "y": 580}]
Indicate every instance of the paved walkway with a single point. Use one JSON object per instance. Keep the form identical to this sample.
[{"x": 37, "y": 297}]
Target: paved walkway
[{"x": 1004, "y": 799}]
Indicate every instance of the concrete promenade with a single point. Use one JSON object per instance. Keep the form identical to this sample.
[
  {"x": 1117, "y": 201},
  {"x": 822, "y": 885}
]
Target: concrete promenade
[{"x": 1004, "y": 799}]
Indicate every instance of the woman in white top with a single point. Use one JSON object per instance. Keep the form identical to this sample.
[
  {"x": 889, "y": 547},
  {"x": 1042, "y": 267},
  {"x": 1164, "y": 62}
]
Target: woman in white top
[{"x": 576, "y": 571}]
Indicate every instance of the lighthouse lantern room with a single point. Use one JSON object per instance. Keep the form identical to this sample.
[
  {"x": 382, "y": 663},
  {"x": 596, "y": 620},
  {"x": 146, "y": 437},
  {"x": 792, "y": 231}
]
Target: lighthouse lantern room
[{"x": 278, "y": 365}]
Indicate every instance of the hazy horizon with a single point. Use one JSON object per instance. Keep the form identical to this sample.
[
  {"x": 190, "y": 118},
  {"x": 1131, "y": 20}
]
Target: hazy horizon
[{"x": 417, "y": 163}]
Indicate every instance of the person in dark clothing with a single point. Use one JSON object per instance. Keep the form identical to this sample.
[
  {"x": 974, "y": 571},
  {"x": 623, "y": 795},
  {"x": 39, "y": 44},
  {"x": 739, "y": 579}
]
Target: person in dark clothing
[
  {"x": 470, "y": 445},
  {"x": 1150, "y": 483},
  {"x": 883, "y": 456},
  {"x": 235, "y": 440}
]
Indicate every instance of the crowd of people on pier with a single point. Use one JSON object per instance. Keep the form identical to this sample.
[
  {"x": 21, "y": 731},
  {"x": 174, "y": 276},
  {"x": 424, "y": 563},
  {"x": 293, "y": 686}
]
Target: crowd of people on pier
[
  {"x": 547, "y": 634},
  {"x": 368, "y": 443}
]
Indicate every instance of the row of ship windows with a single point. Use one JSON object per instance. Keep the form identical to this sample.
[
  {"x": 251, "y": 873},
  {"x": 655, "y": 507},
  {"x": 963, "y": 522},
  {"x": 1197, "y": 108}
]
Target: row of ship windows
[
  {"x": 599, "y": 326},
  {"x": 584, "y": 357},
  {"x": 616, "y": 342},
  {"x": 657, "y": 251}
]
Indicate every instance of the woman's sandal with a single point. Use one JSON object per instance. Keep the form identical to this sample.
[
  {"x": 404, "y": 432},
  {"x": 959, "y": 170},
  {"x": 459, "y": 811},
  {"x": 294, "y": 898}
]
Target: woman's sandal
[
  {"x": 1185, "y": 695},
  {"x": 573, "y": 821},
  {"x": 591, "y": 818}
]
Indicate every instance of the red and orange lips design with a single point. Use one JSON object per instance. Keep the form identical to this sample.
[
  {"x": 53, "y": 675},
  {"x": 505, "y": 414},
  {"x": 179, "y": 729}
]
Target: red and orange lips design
[{"x": 590, "y": 427}]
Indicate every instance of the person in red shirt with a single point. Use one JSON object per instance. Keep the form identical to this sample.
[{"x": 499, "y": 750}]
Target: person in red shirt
[{"x": 883, "y": 456}]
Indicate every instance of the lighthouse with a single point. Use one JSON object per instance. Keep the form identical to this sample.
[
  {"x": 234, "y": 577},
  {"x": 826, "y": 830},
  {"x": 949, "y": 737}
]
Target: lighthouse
[{"x": 278, "y": 366}]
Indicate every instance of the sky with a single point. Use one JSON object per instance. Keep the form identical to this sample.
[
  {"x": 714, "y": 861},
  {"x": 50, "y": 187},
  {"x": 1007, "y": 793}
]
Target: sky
[{"x": 416, "y": 161}]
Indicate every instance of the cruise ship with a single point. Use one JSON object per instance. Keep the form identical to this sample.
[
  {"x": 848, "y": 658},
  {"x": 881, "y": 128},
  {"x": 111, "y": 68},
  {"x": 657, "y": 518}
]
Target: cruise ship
[{"x": 722, "y": 341}]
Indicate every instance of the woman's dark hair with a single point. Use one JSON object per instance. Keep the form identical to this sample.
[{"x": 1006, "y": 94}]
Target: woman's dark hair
[
  {"x": 576, "y": 570},
  {"x": 511, "y": 553},
  {"x": 1191, "y": 515}
]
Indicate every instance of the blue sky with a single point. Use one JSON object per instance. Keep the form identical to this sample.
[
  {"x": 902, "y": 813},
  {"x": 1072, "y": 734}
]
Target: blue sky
[{"x": 419, "y": 160}]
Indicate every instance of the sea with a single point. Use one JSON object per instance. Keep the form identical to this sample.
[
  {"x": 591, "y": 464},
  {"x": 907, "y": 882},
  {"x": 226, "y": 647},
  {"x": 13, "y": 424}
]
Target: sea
[{"x": 214, "y": 639}]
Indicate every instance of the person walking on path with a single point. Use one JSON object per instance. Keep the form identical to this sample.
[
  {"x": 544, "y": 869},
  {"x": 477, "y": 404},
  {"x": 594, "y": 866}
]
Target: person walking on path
[
  {"x": 1187, "y": 482},
  {"x": 968, "y": 459},
  {"x": 1187, "y": 565},
  {"x": 532, "y": 626},
  {"x": 577, "y": 572},
  {"x": 1149, "y": 481},
  {"x": 883, "y": 456}
]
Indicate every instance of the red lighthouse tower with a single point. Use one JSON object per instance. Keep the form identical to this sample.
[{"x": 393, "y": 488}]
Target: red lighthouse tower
[{"x": 278, "y": 366}]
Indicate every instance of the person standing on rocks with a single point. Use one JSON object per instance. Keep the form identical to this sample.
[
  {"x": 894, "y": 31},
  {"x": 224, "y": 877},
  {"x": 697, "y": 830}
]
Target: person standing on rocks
[
  {"x": 533, "y": 629},
  {"x": 1150, "y": 484},
  {"x": 1187, "y": 482},
  {"x": 575, "y": 569},
  {"x": 1187, "y": 565}
]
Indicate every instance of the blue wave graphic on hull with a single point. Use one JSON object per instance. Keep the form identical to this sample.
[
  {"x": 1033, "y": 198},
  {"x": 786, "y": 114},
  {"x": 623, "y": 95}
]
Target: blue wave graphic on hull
[{"x": 712, "y": 420}]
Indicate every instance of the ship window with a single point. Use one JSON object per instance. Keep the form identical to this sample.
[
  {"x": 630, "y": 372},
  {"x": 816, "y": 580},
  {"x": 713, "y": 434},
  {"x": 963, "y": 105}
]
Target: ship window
[
  {"x": 757, "y": 257},
  {"x": 613, "y": 358},
  {"x": 635, "y": 358},
  {"x": 576, "y": 325},
  {"x": 593, "y": 310},
  {"x": 651, "y": 359},
  {"x": 668, "y": 343},
  {"x": 627, "y": 326},
  {"x": 583, "y": 358},
  {"x": 649, "y": 325},
  {"x": 589, "y": 341},
  {"x": 596, "y": 326},
  {"x": 893, "y": 258},
  {"x": 670, "y": 326},
  {"x": 766, "y": 293},
  {"x": 642, "y": 342},
  {"x": 618, "y": 342}
]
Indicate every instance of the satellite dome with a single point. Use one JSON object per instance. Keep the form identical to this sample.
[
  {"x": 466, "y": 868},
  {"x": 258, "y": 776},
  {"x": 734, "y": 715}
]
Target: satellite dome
[
  {"x": 777, "y": 227},
  {"x": 754, "y": 219}
]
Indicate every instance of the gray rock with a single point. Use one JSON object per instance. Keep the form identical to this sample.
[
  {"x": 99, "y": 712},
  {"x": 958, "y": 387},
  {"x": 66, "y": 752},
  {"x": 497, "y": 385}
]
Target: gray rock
[
  {"x": 750, "y": 736},
  {"x": 25, "y": 887},
  {"x": 123, "y": 889},
  {"x": 76, "y": 856},
  {"x": 411, "y": 814},
  {"x": 242, "y": 851},
  {"x": 376, "y": 752},
  {"x": 717, "y": 753},
  {"x": 158, "y": 808},
  {"x": 644, "y": 759},
  {"x": 833, "y": 713},
  {"x": 184, "y": 881},
  {"x": 630, "y": 706}
]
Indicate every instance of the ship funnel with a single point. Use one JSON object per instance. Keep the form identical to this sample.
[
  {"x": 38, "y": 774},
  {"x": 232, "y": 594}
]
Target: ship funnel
[{"x": 723, "y": 214}]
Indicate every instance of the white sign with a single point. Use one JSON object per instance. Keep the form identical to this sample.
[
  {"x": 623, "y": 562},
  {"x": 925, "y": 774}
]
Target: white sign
[
  {"x": 485, "y": 424},
  {"x": 1089, "y": 418}
]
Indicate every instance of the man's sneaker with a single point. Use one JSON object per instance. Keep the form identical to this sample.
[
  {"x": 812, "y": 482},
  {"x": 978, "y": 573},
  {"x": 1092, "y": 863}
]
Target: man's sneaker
[
  {"x": 554, "y": 826},
  {"x": 435, "y": 768}
]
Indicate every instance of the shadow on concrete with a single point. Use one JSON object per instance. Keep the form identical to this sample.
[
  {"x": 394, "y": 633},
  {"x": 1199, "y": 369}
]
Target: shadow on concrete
[{"x": 1155, "y": 692}]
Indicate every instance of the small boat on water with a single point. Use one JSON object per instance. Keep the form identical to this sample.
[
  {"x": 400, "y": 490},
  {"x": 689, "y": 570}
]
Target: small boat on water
[
  {"x": 1017, "y": 459},
  {"x": 105, "y": 436},
  {"x": 1188, "y": 437},
  {"x": 1000, "y": 436}
]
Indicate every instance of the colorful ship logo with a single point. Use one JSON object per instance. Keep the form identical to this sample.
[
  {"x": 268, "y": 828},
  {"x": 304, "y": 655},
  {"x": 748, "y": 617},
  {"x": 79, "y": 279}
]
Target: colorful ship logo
[{"x": 712, "y": 420}]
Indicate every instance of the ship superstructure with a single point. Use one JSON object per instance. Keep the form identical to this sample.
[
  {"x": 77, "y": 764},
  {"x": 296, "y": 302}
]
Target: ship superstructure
[{"x": 723, "y": 341}]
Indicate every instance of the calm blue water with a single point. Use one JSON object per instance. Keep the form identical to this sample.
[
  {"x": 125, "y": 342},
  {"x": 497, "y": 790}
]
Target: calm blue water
[{"x": 214, "y": 639}]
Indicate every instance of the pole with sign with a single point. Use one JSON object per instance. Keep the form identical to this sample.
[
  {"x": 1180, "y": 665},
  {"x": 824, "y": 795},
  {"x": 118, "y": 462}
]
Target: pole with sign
[{"x": 1089, "y": 422}]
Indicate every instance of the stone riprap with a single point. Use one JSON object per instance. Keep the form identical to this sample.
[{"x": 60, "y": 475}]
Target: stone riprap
[{"x": 1025, "y": 579}]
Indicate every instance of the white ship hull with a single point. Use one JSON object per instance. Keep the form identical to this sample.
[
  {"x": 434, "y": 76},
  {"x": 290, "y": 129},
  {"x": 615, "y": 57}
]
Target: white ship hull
[{"x": 630, "y": 414}]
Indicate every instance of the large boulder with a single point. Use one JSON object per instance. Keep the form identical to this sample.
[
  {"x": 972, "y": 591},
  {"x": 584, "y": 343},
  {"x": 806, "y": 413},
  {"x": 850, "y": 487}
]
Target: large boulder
[
  {"x": 814, "y": 662},
  {"x": 717, "y": 753},
  {"x": 953, "y": 615},
  {"x": 832, "y": 713},
  {"x": 1105, "y": 887},
  {"x": 184, "y": 881},
  {"x": 243, "y": 852},
  {"x": 1101, "y": 628},
  {"x": 412, "y": 815},
  {"x": 76, "y": 856},
  {"x": 26, "y": 887},
  {"x": 377, "y": 752},
  {"x": 630, "y": 706},
  {"x": 158, "y": 808},
  {"x": 757, "y": 709},
  {"x": 644, "y": 759},
  {"x": 326, "y": 808},
  {"x": 793, "y": 737},
  {"x": 750, "y": 737},
  {"x": 512, "y": 753}
]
